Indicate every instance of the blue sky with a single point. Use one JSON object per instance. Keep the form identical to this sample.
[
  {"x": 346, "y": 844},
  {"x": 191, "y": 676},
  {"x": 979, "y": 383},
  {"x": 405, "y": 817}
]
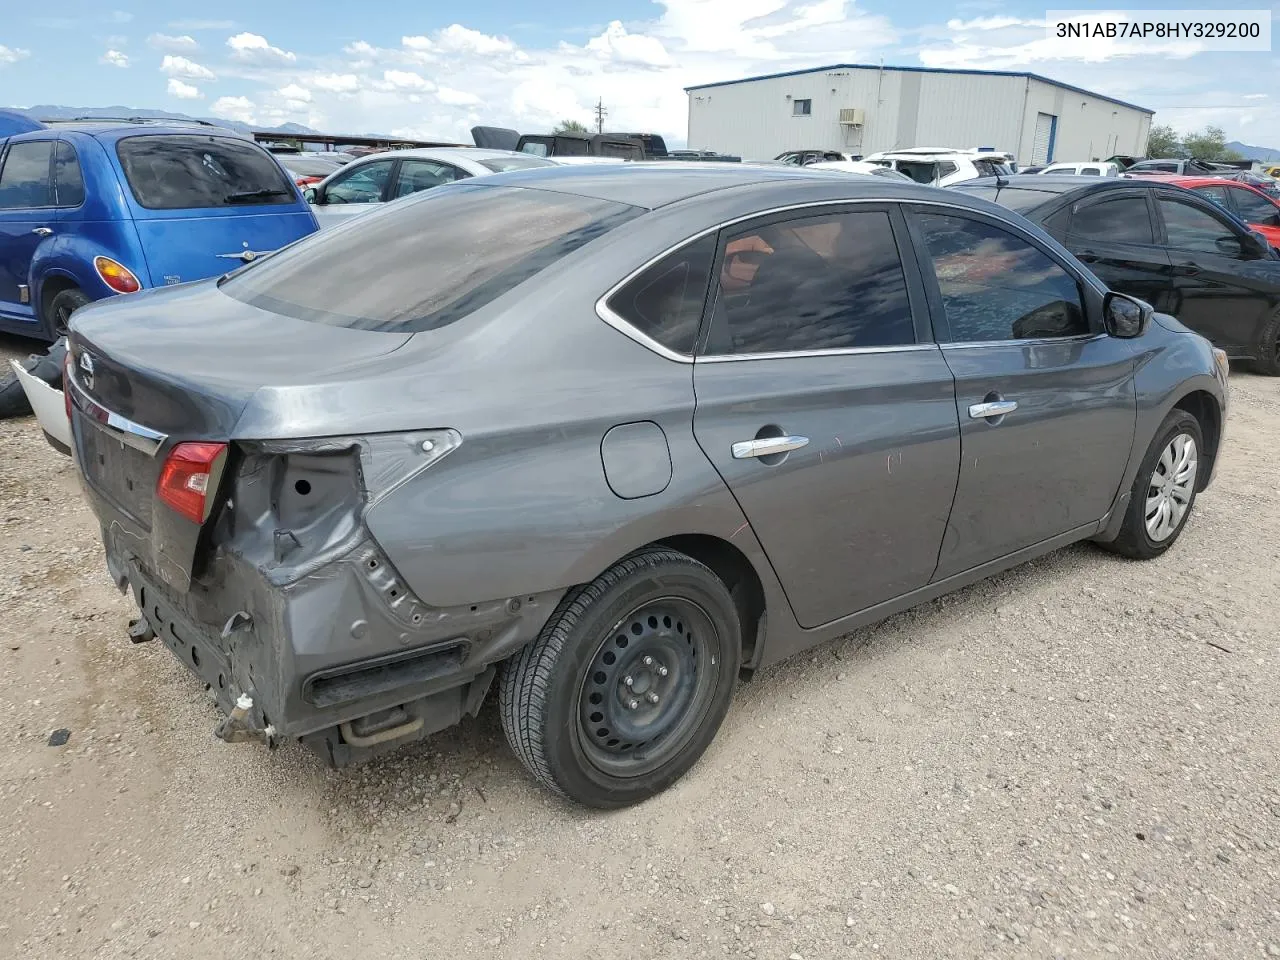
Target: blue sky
[{"x": 412, "y": 69}]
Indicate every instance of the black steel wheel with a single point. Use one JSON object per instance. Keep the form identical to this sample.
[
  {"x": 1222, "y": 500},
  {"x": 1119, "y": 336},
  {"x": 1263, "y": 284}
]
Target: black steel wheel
[
  {"x": 627, "y": 683},
  {"x": 62, "y": 306}
]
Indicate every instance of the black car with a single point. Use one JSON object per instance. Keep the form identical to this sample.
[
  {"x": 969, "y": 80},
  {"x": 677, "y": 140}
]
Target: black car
[{"x": 1165, "y": 244}]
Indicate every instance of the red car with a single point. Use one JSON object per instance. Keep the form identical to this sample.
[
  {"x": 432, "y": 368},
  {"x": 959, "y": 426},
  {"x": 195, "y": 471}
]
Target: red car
[{"x": 1252, "y": 206}]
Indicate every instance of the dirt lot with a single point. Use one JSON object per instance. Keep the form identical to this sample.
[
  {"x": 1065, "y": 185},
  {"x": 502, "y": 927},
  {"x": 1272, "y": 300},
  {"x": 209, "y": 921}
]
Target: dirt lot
[{"x": 1076, "y": 759}]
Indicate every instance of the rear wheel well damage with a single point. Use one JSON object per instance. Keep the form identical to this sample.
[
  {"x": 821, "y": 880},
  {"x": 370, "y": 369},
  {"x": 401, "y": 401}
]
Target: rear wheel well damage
[
  {"x": 1204, "y": 407},
  {"x": 732, "y": 566}
]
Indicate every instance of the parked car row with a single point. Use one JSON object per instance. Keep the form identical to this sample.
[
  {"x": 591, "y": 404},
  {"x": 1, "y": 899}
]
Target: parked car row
[{"x": 619, "y": 434}]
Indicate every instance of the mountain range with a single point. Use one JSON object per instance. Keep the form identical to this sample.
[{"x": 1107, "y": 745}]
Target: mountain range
[
  {"x": 50, "y": 112},
  {"x": 1253, "y": 153}
]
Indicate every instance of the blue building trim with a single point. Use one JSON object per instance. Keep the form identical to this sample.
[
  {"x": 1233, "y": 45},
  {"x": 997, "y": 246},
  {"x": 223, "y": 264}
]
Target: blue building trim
[{"x": 876, "y": 66}]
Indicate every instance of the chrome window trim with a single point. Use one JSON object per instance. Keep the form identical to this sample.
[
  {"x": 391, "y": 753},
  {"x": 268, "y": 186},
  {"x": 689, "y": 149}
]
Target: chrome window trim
[
  {"x": 971, "y": 344},
  {"x": 609, "y": 316},
  {"x": 122, "y": 428}
]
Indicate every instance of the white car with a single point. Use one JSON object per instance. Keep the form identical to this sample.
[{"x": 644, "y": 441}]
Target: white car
[
  {"x": 362, "y": 185},
  {"x": 942, "y": 168},
  {"x": 1091, "y": 168},
  {"x": 858, "y": 166}
]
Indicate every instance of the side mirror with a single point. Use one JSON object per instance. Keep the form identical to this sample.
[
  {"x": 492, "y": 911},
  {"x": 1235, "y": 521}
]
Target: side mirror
[
  {"x": 310, "y": 195},
  {"x": 1125, "y": 317},
  {"x": 1257, "y": 247}
]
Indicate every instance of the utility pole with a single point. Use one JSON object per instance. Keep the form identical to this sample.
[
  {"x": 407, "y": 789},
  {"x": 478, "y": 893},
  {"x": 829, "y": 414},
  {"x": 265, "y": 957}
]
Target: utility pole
[{"x": 601, "y": 113}]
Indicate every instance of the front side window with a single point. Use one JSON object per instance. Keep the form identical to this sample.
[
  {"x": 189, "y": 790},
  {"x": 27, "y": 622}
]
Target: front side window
[
  {"x": 68, "y": 180},
  {"x": 1119, "y": 220},
  {"x": 418, "y": 175},
  {"x": 397, "y": 270},
  {"x": 1256, "y": 209},
  {"x": 825, "y": 282},
  {"x": 801, "y": 108},
  {"x": 996, "y": 286},
  {"x": 24, "y": 178},
  {"x": 363, "y": 184},
  {"x": 665, "y": 301},
  {"x": 1191, "y": 228},
  {"x": 197, "y": 172}
]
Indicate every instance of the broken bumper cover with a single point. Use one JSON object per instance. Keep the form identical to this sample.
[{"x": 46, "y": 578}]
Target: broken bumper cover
[{"x": 324, "y": 659}]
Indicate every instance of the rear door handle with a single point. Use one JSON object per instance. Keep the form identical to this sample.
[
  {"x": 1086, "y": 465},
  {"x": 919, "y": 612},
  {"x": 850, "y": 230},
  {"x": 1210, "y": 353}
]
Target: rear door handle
[
  {"x": 991, "y": 408},
  {"x": 767, "y": 446},
  {"x": 1187, "y": 269},
  {"x": 42, "y": 231},
  {"x": 1087, "y": 256}
]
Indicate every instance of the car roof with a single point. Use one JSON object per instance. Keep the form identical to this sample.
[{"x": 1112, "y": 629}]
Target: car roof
[
  {"x": 1059, "y": 186},
  {"x": 467, "y": 153},
  {"x": 654, "y": 184},
  {"x": 112, "y": 130}
]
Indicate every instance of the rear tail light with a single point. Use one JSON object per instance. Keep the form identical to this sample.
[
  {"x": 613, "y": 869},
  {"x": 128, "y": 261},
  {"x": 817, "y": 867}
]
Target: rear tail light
[
  {"x": 116, "y": 275},
  {"x": 189, "y": 478}
]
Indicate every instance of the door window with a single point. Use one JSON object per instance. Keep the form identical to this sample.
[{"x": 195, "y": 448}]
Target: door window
[
  {"x": 827, "y": 282},
  {"x": 1217, "y": 194},
  {"x": 996, "y": 286},
  {"x": 1191, "y": 228},
  {"x": 417, "y": 175},
  {"x": 68, "y": 181},
  {"x": 665, "y": 301},
  {"x": 1256, "y": 209},
  {"x": 24, "y": 178},
  {"x": 1091, "y": 171},
  {"x": 364, "y": 184},
  {"x": 1119, "y": 220}
]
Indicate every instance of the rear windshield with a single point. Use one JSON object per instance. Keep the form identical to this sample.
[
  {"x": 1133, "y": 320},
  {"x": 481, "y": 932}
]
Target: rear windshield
[
  {"x": 1019, "y": 200},
  {"x": 195, "y": 172},
  {"x": 920, "y": 171},
  {"x": 396, "y": 269},
  {"x": 503, "y": 164}
]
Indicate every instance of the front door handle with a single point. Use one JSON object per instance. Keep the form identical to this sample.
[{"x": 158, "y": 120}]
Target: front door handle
[
  {"x": 992, "y": 408},
  {"x": 1087, "y": 256},
  {"x": 767, "y": 446},
  {"x": 42, "y": 231}
]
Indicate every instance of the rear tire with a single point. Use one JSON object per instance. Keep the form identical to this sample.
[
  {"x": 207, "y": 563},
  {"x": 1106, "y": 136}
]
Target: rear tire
[
  {"x": 61, "y": 307},
  {"x": 1268, "y": 361},
  {"x": 1164, "y": 491},
  {"x": 628, "y": 681}
]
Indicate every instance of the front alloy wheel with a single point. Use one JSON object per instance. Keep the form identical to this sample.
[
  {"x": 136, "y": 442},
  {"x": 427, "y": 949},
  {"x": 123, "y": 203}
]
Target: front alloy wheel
[{"x": 1172, "y": 487}]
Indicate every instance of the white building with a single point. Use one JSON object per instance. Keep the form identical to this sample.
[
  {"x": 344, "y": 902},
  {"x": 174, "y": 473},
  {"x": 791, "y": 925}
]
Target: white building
[{"x": 863, "y": 109}]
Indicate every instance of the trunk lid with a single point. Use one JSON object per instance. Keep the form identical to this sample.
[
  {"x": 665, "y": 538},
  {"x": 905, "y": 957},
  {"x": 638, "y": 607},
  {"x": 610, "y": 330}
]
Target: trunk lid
[{"x": 184, "y": 245}]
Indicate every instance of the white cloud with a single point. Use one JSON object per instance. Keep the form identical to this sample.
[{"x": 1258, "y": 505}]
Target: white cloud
[
  {"x": 457, "y": 98},
  {"x": 187, "y": 69},
  {"x": 295, "y": 93},
  {"x": 1255, "y": 96},
  {"x": 179, "y": 44},
  {"x": 234, "y": 108},
  {"x": 336, "y": 82},
  {"x": 618, "y": 45},
  {"x": 114, "y": 58},
  {"x": 254, "y": 48},
  {"x": 406, "y": 80},
  {"x": 459, "y": 39},
  {"x": 183, "y": 91},
  {"x": 12, "y": 54},
  {"x": 360, "y": 49}
]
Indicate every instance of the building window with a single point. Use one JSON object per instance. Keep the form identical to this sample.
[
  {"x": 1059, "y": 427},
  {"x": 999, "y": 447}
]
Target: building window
[{"x": 801, "y": 108}]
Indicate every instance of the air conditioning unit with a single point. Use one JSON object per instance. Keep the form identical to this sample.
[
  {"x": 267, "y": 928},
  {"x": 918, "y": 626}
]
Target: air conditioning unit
[{"x": 852, "y": 116}]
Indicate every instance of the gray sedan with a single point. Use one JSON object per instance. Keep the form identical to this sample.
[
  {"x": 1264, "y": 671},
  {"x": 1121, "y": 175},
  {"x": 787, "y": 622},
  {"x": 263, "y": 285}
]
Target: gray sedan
[{"x": 614, "y": 439}]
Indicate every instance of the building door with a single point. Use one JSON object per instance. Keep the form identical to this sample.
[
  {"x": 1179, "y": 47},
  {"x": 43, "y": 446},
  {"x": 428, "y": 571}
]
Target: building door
[{"x": 1046, "y": 133}]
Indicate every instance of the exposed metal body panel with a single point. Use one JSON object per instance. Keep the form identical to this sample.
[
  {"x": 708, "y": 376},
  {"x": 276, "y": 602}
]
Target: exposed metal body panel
[{"x": 759, "y": 118}]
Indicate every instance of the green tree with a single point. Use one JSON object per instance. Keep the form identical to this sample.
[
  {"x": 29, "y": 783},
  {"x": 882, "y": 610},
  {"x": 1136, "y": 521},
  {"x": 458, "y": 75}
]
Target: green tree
[
  {"x": 1163, "y": 142},
  {"x": 570, "y": 126},
  {"x": 1209, "y": 144}
]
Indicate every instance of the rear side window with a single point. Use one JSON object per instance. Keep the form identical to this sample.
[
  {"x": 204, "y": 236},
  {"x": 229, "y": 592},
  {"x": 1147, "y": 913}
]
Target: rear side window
[
  {"x": 418, "y": 175},
  {"x": 1217, "y": 194},
  {"x": 68, "y": 181},
  {"x": 818, "y": 283},
  {"x": 997, "y": 286},
  {"x": 664, "y": 302},
  {"x": 1256, "y": 209},
  {"x": 24, "y": 178},
  {"x": 395, "y": 270},
  {"x": 194, "y": 172},
  {"x": 1121, "y": 220}
]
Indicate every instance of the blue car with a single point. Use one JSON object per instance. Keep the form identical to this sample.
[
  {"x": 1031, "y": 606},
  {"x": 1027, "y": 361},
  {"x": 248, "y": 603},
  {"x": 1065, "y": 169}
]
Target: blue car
[{"x": 90, "y": 209}]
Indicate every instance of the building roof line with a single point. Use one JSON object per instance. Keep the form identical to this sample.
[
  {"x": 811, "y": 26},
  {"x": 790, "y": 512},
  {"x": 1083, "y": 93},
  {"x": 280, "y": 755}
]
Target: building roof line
[{"x": 876, "y": 66}]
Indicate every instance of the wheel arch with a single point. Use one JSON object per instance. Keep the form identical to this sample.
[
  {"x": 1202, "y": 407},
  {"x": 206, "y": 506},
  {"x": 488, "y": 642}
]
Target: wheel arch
[
  {"x": 51, "y": 284},
  {"x": 1205, "y": 407}
]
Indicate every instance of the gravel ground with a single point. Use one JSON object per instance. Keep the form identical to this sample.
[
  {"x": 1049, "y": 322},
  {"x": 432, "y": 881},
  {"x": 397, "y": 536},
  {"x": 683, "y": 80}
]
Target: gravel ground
[{"x": 1074, "y": 759}]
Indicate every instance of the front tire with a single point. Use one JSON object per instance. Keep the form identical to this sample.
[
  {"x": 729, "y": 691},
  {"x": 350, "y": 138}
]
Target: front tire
[
  {"x": 1268, "y": 360},
  {"x": 628, "y": 681},
  {"x": 1164, "y": 491}
]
